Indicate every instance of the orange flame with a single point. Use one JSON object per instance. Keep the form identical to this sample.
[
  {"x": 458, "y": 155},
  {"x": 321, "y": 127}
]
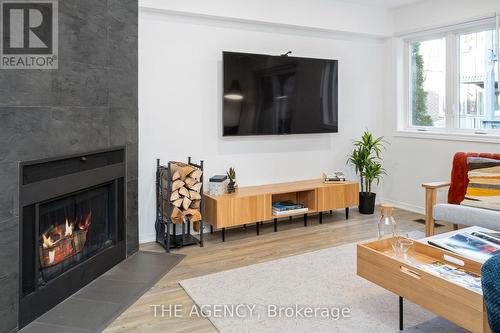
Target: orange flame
[
  {"x": 68, "y": 230},
  {"x": 54, "y": 235},
  {"x": 86, "y": 223},
  {"x": 63, "y": 240},
  {"x": 47, "y": 241}
]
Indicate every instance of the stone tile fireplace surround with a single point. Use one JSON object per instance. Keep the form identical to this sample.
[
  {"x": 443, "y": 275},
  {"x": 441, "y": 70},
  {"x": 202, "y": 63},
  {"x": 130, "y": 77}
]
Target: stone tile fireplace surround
[{"x": 88, "y": 104}]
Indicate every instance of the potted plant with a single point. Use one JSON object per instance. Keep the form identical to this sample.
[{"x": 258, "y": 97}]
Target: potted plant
[
  {"x": 231, "y": 174},
  {"x": 367, "y": 161}
]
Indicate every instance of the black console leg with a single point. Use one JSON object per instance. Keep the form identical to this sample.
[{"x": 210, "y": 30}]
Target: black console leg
[
  {"x": 275, "y": 225},
  {"x": 305, "y": 220},
  {"x": 400, "y": 313},
  {"x": 223, "y": 234},
  {"x": 320, "y": 217},
  {"x": 290, "y": 218},
  {"x": 331, "y": 211},
  {"x": 211, "y": 229},
  {"x": 257, "y": 226},
  {"x": 244, "y": 227},
  {"x": 347, "y": 213}
]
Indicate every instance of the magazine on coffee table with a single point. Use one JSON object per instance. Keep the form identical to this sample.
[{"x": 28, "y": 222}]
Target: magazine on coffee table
[
  {"x": 493, "y": 237},
  {"x": 476, "y": 245},
  {"x": 456, "y": 275}
]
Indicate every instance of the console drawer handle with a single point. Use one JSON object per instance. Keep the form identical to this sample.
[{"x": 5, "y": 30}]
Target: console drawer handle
[{"x": 409, "y": 272}]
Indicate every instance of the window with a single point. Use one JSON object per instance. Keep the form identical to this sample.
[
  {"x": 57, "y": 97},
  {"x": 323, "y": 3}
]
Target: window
[
  {"x": 452, "y": 80},
  {"x": 479, "y": 107},
  {"x": 428, "y": 82}
]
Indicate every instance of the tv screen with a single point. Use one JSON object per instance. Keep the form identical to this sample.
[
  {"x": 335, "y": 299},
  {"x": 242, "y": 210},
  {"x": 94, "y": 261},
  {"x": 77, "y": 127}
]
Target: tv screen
[{"x": 270, "y": 95}]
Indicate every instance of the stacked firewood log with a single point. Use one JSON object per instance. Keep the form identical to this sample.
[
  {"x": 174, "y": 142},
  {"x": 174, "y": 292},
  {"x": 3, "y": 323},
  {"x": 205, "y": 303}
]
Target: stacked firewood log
[{"x": 185, "y": 193}]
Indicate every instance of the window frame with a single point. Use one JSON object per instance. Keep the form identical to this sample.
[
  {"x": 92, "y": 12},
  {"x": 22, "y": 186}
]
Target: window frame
[{"x": 451, "y": 34}]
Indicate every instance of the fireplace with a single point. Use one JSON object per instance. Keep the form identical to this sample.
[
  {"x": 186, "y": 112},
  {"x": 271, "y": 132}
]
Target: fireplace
[{"x": 73, "y": 226}]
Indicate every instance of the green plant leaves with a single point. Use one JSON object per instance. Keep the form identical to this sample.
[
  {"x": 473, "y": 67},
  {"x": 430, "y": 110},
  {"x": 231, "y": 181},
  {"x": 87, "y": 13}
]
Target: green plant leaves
[
  {"x": 231, "y": 174},
  {"x": 367, "y": 160}
]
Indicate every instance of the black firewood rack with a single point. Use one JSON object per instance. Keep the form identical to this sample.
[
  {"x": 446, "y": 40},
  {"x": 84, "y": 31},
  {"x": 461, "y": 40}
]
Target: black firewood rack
[{"x": 166, "y": 229}]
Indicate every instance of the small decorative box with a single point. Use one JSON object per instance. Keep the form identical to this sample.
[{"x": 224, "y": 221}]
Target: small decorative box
[{"x": 217, "y": 185}]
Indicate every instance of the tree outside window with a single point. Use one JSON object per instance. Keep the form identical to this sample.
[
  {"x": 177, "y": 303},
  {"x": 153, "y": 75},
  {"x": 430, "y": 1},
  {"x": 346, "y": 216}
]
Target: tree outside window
[
  {"x": 419, "y": 98},
  {"x": 428, "y": 83}
]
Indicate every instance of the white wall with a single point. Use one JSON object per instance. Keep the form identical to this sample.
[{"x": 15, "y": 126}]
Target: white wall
[
  {"x": 180, "y": 60},
  {"x": 436, "y": 13},
  {"x": 410, "y": 161},
  {"x": 180, "y": 46},
  {"x": 322, "y": 14}
]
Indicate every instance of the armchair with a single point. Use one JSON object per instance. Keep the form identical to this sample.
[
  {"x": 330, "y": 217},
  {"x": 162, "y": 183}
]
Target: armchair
[{"x": 453, "y": 212}]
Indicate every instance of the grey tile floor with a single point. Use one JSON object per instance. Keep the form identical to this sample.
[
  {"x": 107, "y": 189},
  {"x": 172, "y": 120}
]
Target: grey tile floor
[{"x": 95, "y": 306}]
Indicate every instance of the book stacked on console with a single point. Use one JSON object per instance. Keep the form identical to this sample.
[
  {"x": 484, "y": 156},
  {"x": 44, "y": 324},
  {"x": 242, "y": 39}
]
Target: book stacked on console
[
  {"x": 288, "y": 207},
  {"x": 334, "y": 177}
]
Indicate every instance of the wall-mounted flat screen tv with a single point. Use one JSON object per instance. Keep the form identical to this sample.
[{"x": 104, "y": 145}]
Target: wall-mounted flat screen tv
[{"x": 272, "y": 95}]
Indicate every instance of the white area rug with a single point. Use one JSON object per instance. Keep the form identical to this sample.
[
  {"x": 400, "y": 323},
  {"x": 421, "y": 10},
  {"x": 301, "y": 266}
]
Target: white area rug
[{"x": 325, "y": 278}]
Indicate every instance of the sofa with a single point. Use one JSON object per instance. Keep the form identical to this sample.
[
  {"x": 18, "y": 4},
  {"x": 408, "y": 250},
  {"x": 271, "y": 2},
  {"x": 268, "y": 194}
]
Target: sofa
[{"x": 453, "y": 212}]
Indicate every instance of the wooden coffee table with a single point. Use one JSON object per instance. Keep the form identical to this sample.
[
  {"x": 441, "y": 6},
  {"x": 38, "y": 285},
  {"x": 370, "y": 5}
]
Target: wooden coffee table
[{"x": 377, "y": 263}]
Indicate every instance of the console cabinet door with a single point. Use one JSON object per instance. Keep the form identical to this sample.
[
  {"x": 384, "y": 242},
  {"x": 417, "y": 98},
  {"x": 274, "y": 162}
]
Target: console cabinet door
[
  {"x": 250, "y": 209},
  {"x": 338, "y": 196},
  {"x": 351, "y": 195},
  {"x": 232, "y": 211}
]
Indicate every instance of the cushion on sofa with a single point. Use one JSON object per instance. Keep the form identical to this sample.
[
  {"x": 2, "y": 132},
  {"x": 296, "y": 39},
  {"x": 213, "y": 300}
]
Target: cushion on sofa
[
  {"x": 459, "y": 179},
  {"x": 483, "y": 190},
  {"x": 468, "y": 216}
]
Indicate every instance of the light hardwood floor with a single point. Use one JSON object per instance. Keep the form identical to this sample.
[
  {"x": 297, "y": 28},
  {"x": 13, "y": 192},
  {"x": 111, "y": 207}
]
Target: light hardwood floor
[{"x": 243, "y": 248}]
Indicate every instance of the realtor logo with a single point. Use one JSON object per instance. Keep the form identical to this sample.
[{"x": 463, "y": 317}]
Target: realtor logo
[{"x": 29, "y": 34}]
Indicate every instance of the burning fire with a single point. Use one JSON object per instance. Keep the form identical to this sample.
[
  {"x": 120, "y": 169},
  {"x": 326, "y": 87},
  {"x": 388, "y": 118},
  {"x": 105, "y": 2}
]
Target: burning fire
[
  {"x": 55, "y": 234},
  {"x": 51, "y": 237},
  {"x": 64, "y": 240},
  {"x": 69, "y": 229},
  {"x": 86, "y": 223},
  {"x": 47, "y": 241}
]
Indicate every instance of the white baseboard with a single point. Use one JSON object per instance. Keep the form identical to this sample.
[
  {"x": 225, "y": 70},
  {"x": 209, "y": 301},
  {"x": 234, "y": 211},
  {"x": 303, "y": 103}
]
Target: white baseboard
[
  {"x": 147, "y": 238},
  {"x": 405, "y": 206}
]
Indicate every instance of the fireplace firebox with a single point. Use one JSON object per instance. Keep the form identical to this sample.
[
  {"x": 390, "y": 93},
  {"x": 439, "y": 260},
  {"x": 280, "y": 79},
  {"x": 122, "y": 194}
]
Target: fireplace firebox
[{"x": 73, "y": 226}]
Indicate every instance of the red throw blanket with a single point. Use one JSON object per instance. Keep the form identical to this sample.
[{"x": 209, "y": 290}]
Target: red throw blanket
[{"x": 459, "y": 179}]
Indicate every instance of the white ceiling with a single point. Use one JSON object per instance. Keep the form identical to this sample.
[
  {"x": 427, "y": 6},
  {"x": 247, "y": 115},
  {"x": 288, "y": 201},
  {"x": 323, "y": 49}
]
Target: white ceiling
[{"x": 384, "y": 3}]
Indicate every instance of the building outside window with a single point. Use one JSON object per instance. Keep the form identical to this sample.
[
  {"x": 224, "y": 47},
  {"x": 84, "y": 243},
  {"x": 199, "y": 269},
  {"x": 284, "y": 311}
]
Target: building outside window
[{"x": 479, "y": 107}]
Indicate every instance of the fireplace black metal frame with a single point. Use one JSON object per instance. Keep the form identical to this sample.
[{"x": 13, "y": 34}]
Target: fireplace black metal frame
[{"x": 73, "y": 174}]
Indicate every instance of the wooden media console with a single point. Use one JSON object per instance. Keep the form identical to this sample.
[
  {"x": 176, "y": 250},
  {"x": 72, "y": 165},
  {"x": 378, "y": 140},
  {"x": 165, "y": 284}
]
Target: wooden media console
[{"x": 253, "y": 204}]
